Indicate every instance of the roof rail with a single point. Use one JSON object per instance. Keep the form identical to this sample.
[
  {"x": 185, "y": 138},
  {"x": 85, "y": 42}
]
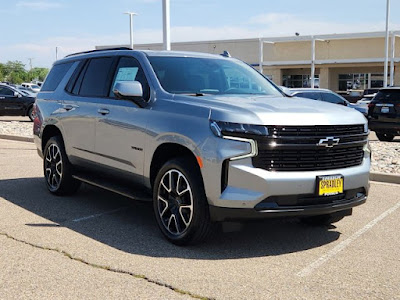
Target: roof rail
[{"x": 98, "y": 50}]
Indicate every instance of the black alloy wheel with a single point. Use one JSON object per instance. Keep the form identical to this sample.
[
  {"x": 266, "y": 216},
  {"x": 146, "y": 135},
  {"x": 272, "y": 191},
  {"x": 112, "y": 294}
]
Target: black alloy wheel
[
  {"x": 180, "y": 204},
  {"x": 57, "y": 168}
]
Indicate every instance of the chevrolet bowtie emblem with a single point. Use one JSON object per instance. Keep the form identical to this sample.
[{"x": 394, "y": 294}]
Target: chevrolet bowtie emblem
[{"x": 328, "y": 142}]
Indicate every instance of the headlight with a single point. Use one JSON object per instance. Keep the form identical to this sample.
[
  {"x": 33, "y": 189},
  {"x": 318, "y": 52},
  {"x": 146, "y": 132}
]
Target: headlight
[
  {"x": 366, "y": 127},
  {"x": 238, "y": 130},
  {"x": 240, "y": 133}
]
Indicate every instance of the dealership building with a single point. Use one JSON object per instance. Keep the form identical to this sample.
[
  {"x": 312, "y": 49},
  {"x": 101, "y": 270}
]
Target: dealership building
[{"x": 339, "y": 62}]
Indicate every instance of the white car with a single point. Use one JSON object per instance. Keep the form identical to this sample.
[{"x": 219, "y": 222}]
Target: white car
[{"x": 31, "y": 86}]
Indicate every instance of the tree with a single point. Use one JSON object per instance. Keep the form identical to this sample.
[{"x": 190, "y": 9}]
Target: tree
[
  {"x": 38, "y": 74},
  {"x": 14, "y": 72}
]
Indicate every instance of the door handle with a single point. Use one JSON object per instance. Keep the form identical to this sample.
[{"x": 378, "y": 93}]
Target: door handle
[
  {"x": 103, "y": 111},
  {"x": 69, "y": 107}
]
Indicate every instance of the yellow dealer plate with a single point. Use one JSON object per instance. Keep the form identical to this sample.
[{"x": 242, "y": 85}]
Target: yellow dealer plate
[{"x": 330, "y": 185}]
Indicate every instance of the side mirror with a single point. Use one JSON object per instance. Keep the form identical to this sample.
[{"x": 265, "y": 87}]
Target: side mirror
[
  {"x": 16, "y": 94},
  {"x": 130, "y": 90}
]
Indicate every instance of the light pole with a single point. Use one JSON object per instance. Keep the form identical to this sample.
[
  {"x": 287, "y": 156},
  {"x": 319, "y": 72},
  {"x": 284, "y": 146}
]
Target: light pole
[
  {"x": 385, "y": 73},
  {"x": 166, "y": 25},
  {"x": 131, "y": 14},
  {"x": 56, "y": 52}
]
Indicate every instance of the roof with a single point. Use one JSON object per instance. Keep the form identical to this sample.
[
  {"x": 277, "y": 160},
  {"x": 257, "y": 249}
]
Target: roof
[
  {"x": 164, "y": 53},
  {"x": 293, "y": 90},
  {"x": 390, "y": 88}
]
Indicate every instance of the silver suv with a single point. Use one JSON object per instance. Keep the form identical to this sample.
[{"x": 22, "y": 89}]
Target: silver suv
[{"x": 206, "y": 138}]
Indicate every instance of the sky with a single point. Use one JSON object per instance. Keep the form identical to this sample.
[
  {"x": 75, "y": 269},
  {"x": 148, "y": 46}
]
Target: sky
[{"x": 34, "y": 28}]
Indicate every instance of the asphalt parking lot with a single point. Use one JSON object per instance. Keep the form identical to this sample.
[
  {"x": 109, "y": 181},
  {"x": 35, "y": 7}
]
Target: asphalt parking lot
[{"x": 96, "y": 244}]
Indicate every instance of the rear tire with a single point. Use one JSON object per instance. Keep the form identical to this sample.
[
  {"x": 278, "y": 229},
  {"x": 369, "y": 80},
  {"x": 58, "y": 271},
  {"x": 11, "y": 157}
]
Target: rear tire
[
  {"x": 385, "y": 137},
  {"x": 180, "y": 204},
  {"x": 325, "y": 220},
  {"x": 57, "y": 168},
  {"x": 31, "y": 114}
]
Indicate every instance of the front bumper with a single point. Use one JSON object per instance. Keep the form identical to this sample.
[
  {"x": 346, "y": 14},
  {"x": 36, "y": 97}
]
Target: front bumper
[
  {"x": 273, "y": 209},
  {"x": 390, "y": 127}
]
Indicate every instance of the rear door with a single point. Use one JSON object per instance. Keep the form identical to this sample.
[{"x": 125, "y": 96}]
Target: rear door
[{"x": 87, "y": 91}]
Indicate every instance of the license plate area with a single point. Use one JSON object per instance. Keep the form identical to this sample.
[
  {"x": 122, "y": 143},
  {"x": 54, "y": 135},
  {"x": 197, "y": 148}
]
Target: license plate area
[
  {"x": 330, "y": 185},
  {"x": 385, "y": 110}
]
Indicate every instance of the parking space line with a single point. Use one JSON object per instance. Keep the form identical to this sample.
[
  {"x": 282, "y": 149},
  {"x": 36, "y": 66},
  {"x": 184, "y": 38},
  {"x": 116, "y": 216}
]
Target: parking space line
[
  {"x": 342, "y": 245},
  {"x": 99, "y": 215}
]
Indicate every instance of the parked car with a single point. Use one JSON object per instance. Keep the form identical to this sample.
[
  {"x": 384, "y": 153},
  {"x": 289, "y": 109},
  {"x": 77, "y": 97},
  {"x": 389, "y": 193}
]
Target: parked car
[
  {"x": 384, "y": 113},
  {"x": 366, "y": 99},
  {"x": 33, "y": 87},
  {"x": 327, "y": 96},
  {"x": 15, "y": 103},
  {"x": 206, "y": 138},
  {"x": 26, "y": 90}
]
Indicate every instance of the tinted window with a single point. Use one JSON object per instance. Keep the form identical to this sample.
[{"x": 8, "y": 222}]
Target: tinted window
[
  {"x": 55, "y": 76},
  {"x": 6, "y": 91},
  {"x": 96, "y": 81},
  {"x": 311, "y": 95},
  {"x": 332, "y": 98},
  {"x": 189, "y": 75},
  {"x": 393, "y": 96},
  {"x": 129, "y": 69}
]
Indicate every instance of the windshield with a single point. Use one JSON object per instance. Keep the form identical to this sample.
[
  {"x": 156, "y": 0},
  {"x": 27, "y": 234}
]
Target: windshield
[
  {"x": 34, "y": 86},
  {"x": 189, "y": 75}
]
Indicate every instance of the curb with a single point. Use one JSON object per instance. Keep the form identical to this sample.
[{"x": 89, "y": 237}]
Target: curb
[
  {"x": 383, "y": 177},
  {"x": 373, "y": 176},
  {"x": 16, "y": 138}
]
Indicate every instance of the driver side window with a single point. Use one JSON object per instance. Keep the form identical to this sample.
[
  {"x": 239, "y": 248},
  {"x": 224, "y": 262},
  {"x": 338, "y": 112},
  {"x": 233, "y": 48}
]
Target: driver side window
[
  {"x": 6, "y": 91},
  {"x": 129, "y": 69}
]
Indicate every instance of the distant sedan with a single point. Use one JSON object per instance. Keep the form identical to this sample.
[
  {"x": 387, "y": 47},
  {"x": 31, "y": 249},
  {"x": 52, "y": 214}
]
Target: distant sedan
[
  {"x": 15, "y": 103},
  {"x": 327, "y": 96}
]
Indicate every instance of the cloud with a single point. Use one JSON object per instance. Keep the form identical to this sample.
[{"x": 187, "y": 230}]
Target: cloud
[{"x": 38, "y": 5}]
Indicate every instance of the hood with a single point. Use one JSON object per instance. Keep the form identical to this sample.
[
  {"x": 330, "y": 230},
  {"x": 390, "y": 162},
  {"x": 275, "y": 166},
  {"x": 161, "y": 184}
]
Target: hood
[{"x": 267, "y": 110}]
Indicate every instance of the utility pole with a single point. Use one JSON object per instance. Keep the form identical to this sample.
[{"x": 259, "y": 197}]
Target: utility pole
[
  {"x": 56, "y": 52},
  {"x": 30, "y": 62},
  {"x": 131, "y": 14}
]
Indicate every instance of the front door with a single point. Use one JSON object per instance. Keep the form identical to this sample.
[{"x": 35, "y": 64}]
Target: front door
[{"x": 121, "y": 127}]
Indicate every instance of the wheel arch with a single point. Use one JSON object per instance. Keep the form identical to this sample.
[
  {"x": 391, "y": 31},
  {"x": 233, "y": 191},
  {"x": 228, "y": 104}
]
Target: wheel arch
[
  {"x": 28, "y": 108},
  {"x": 166, "y": 152},
  {"x": 48, "y": 132}
]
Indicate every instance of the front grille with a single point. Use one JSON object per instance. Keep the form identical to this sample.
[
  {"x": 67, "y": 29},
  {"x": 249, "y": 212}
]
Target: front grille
[{"x": 295, "y": 148}]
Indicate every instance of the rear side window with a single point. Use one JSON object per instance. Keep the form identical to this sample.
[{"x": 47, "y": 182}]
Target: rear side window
[
  {"x": 312, "y": 95},
  {"x": 332, "y": 98},
  {"x": 97, "y": 79},
  {"x": 55, "y": 76},
  {"x": 388, "y": 95}
]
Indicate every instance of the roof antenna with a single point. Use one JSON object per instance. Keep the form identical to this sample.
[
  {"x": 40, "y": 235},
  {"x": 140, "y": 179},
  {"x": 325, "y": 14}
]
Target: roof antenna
[{"x": 226, "y": 54}]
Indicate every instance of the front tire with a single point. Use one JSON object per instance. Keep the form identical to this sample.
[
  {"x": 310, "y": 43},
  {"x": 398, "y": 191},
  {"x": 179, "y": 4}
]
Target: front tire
[
  {"x": 57, "y": 168},
  {"x": 385, "y": 137},
  {"x": 180, "y": 204}
]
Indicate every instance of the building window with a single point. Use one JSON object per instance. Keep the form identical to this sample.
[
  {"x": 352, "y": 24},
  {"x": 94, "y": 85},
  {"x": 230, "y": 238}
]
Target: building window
[
  {"x": 299, "y": 81},
  {"x": 359, "y": 81}
]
